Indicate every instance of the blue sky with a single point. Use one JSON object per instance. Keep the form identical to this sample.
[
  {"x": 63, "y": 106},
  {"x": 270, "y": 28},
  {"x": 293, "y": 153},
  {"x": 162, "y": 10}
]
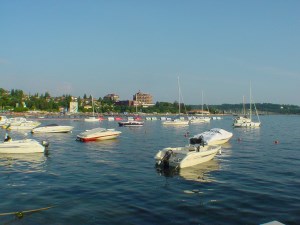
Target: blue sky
[{"x": 123, "y": 46}]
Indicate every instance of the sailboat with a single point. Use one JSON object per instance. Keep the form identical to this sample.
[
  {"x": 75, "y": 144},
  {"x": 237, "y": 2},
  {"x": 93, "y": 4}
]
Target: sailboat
[
  {"x": 200, "y": 119},
  {"x": 177, "y": 121},
  {"x": 92, "y": 118},
  {"x": 245, "y": 121}
]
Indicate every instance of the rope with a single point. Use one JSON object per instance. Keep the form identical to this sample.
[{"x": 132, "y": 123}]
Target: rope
[{"x": 20, "y": 214}]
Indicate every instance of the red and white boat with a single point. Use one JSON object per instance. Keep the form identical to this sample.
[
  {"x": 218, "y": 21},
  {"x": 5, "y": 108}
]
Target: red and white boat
[{"x": 98, "y": 134}]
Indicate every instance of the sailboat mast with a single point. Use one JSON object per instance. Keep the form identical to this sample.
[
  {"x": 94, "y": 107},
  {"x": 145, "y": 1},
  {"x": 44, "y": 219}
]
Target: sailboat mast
[
  {"x": 202, "y": 103},
  {"x": 244, "y": 110},
  {"x": 250, "y": 103},
  {"x": 93, "y": 107},
  {"x": 178, "y": 95}
]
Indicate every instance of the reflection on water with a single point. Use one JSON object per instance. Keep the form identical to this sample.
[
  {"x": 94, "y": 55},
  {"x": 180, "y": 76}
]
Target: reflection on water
[
  {"x": 199, "y": 173},
  {"x": 31, "y": 162},
  {"x": 226, "y": 145},
  {"x": 103, "y": 145}
]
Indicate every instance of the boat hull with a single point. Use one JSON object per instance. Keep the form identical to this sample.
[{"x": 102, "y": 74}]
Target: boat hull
[
  {"x": 97, "y": 138},
  {"x": 188, "y": 156},
  {"x": 98, "y": 134},
  {"x": 52, "y": 129},
  {"x": 176, "y": 123},
  {"x": 247, "y": 124},
  {"x": 131, "y": 124},
  {"x": 92, "y": 119},
  {"x": 21, "y": 146}
]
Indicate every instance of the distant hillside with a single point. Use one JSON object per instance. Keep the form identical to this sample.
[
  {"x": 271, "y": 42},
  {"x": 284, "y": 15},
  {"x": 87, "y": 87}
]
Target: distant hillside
[{"x": 262, "y": 108}]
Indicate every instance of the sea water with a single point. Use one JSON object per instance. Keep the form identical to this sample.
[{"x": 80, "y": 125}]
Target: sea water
[{"x": 255, "y": 180}]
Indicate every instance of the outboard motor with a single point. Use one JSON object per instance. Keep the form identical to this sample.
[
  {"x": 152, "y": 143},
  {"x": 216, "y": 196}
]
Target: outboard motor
[
  {"x": 45, "y": 144},
  {"x": 165, "y": 160}
]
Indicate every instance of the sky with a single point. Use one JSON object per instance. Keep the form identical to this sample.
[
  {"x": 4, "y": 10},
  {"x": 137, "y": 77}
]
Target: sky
[{"x": 98, "y": 47}]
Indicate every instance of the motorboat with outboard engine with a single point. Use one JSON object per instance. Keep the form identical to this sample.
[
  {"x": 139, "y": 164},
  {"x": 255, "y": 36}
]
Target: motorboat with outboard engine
[
  {"x": 193, "y": 154},
  {"x": 22, "y": 146}
]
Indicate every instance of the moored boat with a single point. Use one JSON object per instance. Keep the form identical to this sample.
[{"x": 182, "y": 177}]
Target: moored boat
[
  {"x": 27, "y": 125},
  {"x": 131, "y": 123},
  {"x": 98, "y": 134},
  {"x": 245, "y": 121},
  {"x": 91, "y": 119},
  {"x": 215, "y": 136},
  {"x": 22, "y": 146},
  {"x": 52, "y": 128},
  {"x": 179, "y": 122},
  {"x": 196, "y": 120},
  {"x": 181, "y": 157}
]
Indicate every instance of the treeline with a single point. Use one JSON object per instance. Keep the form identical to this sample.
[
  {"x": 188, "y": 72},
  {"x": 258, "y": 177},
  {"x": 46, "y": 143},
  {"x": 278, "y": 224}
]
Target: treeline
[
  {"x": 17, "y": 101},
  {"x": 262, "y": 108}
]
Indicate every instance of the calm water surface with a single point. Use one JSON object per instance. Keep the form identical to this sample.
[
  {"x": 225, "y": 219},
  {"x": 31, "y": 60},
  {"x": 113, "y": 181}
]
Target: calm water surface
[{"x": 254, "y": 181}]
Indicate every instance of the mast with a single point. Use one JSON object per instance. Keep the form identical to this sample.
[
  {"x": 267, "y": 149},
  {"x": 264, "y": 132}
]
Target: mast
[
  {"x": 93, "y": 106},
  {"x": 244, "y": 110},
  {"x": 250, "y": 103},
  {"x": 202, "y": 103},
  {"x": 179, "y": 95}
]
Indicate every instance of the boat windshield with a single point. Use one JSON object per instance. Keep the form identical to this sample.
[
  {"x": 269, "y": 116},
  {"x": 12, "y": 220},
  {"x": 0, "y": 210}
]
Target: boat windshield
[{"x": 197, "y": 140}]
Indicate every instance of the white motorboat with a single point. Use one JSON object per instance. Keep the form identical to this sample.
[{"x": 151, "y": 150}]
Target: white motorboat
[
  {"x": 15, "y": 120},
  {"x": 98, "y": 134},
  {"x": 201, "y": 119},
  {"x": 52, "y": 128},
  {"x": 176, "y": 122},
  {"x": 193, "y": 154},
  {"x": 215, "y": 136},
  {"x": 92, "y": 119},
  {"x": 26, "y": 125},
  {"x": 131, "y": 123},
  {"x": 22, "y": 146}
]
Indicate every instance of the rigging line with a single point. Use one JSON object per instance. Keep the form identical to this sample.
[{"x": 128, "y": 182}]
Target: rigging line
[
  {"x": 256, "y": 111},
  {"x": 20, "y": 214}
]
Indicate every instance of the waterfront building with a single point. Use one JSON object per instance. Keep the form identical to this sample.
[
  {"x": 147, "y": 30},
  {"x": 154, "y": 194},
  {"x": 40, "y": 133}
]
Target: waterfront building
[
  {"x": 143, "y": 99},
  {"x": 111, "y": 97},
  {"x": 73, "y": 108}
]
